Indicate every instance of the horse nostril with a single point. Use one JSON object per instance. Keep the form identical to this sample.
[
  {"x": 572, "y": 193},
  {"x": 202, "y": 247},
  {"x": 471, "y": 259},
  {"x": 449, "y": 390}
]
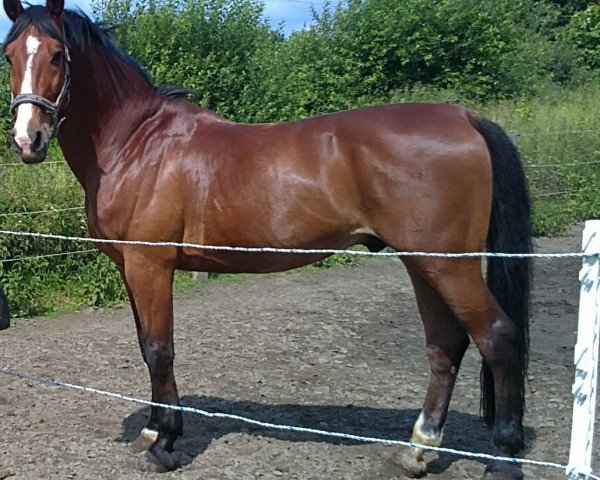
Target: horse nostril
[
  {"x": 37, "y": 141},
  {"x": 16, "y": 147}
]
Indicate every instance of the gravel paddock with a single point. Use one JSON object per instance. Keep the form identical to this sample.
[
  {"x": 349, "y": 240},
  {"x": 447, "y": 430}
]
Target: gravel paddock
[{"x": 339, "y": 349}]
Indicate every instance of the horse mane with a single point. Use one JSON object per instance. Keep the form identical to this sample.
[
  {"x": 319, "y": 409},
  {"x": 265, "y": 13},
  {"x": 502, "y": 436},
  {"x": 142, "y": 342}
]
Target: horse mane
[{"x": 79, "y": 33}]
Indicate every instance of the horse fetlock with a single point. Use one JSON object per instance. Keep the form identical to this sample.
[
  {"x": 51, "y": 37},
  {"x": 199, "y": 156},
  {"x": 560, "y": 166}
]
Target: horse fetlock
[
  {"x": 411, "y": 460},
  {"x": 170, "y": 424},
  {"x": 426, "y": 435},
  {"x": 503, "y": 471},
  {"x": 509, "y": 437}
]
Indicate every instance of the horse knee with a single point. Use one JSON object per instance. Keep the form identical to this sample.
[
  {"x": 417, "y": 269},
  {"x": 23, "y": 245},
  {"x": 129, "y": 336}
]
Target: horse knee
[
  {"x": 445, "y": 359},
  {"x": 158, "y": 355}
]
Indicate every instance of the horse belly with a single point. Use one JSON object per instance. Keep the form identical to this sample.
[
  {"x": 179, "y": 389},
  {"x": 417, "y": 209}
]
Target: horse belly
[{"x": 246, "y": 262}]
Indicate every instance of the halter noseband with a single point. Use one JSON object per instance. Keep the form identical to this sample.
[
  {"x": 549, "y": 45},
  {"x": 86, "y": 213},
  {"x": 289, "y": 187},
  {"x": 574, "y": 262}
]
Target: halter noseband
[{"x": 53, "y": 108}]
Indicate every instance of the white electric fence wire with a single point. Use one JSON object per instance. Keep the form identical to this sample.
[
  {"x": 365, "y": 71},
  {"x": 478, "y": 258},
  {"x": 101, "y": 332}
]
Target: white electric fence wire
[
  {"x": 39, "y": 212},
  {"x": 537, "y": 195},
  {"x": 276, "y": 426},
  {"x": 47, "y": 162},
  {"x": 561, "y": 165},
  {"x": 565, "y": 132},
  {"x": 35, "y": 257},
  {"x": 57, "y": 210},
  {"x": 323, "y": 251},
  {"x": 553, "y": 194}
]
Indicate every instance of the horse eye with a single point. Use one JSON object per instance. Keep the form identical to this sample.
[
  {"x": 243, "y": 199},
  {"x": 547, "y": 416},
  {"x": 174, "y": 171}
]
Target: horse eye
[
  {"x": 7, "y": 58},
  {"x": 57, "y": 58}
]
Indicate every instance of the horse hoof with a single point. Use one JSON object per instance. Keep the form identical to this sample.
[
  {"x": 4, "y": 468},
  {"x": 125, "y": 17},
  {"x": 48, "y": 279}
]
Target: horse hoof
[
  {"x": 143, "y": 441},
  {"x": 410, "y": 466},
  {"x": 148, "y": 462},
  {"x": 503, "y": 471}
]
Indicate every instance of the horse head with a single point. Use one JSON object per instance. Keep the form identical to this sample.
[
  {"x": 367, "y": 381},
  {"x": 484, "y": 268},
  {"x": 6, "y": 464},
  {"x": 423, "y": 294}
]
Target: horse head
[{"x": 39, "y": 75}]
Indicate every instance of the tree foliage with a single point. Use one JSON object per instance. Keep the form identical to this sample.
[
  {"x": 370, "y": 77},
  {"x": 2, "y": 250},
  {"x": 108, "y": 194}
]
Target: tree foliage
[
  {"x": 207, "y": 46},
  {"x": 358, "y": 52},
  {"x": 583, "y": 33}
]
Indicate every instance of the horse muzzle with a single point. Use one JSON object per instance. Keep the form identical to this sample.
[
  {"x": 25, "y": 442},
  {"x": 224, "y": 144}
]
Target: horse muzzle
[{"x": 33, "y": 147}]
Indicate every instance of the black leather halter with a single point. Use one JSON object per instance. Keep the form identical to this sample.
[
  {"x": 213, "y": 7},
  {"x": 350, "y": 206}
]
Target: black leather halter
[{"x": 53, "y": 108}]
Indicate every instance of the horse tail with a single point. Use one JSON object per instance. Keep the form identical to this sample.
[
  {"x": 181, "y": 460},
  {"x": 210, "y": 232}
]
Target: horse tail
[{"x": 509, "y": 279}]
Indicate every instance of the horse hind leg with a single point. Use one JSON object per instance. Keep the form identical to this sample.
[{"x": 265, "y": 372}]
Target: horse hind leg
[
  {"x": 462, "y": 287},
  {"x": 446, "y": 342}
]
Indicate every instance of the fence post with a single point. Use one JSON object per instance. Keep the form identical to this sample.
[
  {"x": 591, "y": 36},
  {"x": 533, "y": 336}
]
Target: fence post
[
  {"x": 199, "y": 275},
  {"x": 586, "y": 357}
]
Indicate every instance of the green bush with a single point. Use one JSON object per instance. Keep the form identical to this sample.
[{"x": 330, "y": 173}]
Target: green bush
[
  {"x": 583, "y": 33},
  {"x": 206, "y": 46},
  {"x": 357, "y": 53},
  {"x": 363, "y": 52}
]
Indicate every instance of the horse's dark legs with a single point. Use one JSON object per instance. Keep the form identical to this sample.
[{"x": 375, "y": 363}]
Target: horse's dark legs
[
  {"x": 446, "y": 342},
  {"x": 4, "y": 312},
  {"x": 461, "y": 285},
  {"x": 150, "y": 287},
  {"x": 150, "y": 433}
]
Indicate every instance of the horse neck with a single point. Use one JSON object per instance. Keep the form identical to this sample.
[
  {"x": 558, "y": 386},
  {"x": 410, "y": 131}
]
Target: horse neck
[{"x": 108, "y": 101}]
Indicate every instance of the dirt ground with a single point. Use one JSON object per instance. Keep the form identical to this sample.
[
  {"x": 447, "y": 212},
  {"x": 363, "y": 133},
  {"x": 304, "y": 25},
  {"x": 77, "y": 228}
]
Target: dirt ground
[{"x": 338, "y": 349}]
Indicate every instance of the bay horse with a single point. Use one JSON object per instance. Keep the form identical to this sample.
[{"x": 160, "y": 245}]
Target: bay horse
[{"x": 414, "y": 177}]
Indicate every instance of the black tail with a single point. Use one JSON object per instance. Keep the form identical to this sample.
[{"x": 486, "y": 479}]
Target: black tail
[{"x": 509, "y": 279}]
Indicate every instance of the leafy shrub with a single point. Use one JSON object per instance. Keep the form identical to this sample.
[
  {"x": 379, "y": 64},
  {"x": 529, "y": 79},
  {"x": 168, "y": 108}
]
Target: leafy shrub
[
  {"x": 206, "y": 46},
  {"x": 583, "y": 33}
]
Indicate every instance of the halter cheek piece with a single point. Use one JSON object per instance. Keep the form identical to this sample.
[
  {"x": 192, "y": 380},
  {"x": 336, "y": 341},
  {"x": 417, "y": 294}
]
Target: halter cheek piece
[{"x": 53, "y": 108}]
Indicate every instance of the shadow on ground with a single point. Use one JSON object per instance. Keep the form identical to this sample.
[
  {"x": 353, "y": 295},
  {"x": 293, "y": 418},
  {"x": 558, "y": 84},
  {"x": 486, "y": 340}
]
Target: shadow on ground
[{"x": 463, "y": 431}]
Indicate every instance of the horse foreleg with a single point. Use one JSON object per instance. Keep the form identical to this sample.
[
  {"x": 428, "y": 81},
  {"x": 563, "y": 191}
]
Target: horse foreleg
[
  {"x": 446, "y": 342},
  {"x": 150, "y": 433},
  {"x": 150, "y": 287}
]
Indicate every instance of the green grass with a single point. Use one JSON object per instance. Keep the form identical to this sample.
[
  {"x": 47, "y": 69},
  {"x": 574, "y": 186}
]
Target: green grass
[{"x": 558, "y": 128}]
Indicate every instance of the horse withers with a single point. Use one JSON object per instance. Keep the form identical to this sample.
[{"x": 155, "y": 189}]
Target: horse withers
[{"x": 414, "y": 177}]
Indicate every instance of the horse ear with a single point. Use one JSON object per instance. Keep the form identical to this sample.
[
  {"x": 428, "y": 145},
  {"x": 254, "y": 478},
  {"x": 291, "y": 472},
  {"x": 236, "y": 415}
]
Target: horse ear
[
  {"x": 13, "y": 9},
  {"x": 55, "y": 8}
]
